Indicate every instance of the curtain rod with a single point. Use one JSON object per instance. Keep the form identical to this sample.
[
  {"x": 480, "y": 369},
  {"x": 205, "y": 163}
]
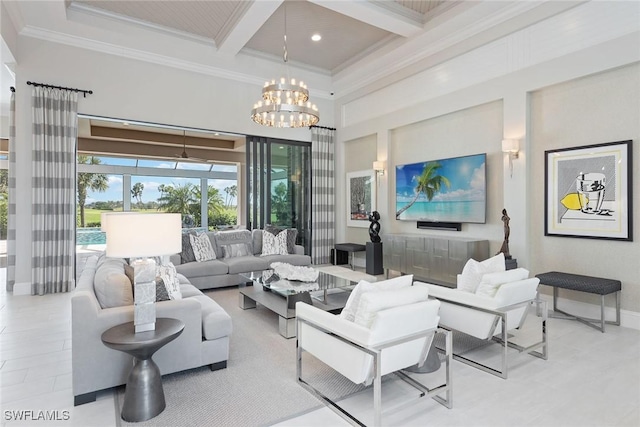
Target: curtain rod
[
  {"x": 12, "y": 89},
  {"x": 321, "y": 127},
  {"x": 84, "y": 92}
]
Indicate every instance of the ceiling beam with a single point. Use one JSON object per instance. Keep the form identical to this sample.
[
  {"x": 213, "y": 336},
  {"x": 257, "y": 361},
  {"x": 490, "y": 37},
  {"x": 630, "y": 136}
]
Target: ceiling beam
[
  {"x": 247, "y": 19},
  {"x": 132, "y": 149},
  {"x": 389, "y": 16},
  {"x": 157, "y": 138}
]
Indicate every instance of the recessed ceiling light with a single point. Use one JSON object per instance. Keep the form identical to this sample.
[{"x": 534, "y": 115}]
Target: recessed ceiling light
[{"x": 316, "y": 37}]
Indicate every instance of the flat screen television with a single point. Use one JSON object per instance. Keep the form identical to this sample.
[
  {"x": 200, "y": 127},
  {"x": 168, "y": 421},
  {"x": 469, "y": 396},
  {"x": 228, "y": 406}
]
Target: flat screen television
[{"x": 449, "y": 190}]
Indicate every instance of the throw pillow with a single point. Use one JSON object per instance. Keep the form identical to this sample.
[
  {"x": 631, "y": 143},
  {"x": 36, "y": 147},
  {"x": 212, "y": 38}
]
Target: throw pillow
[
  {"x": 187, "y": 254},
  {"x": 351, "y": 307},
  {"x": 202, "y": 248},
  {"x": 111, "y": 285},
  {"x": 235, "y": 250},
  {"x": 292, "y": 235},
  {"x": 161, "y": 291},
  {"x": 491, "y": 282},
  {"x": 473, "y": 271},
  {"x": 373, "y": 302},
  {"x": 274, "y": 245},
  {"x": 169, "y": 277}
]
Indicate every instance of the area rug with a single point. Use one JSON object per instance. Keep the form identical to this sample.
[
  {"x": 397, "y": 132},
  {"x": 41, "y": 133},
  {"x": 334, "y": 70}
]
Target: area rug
[{"x": 258, "y": 387}]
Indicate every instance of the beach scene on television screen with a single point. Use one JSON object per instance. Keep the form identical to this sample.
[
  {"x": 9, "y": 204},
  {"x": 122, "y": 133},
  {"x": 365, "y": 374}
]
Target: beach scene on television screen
[{"x": 452, "y": 190}]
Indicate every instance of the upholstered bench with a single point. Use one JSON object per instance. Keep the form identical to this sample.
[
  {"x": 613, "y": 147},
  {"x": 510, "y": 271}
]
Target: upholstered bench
[
  {"x": 592, "y": 285},
  {"x": 350, "y": 248}
]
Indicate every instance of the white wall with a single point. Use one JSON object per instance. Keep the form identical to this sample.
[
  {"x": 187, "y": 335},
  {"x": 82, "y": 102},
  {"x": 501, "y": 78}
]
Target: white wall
[
  {"x": 591, "y": 38},
  {"x": 360, "y": 154},
  {"x": 471, "y": 131},
  {"x": 601, "y": 108},
  {"x": 129, "y": 89}
]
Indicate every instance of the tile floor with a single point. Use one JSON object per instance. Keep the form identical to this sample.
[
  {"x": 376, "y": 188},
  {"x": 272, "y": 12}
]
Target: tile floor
[{"x": 590, "y": 379}]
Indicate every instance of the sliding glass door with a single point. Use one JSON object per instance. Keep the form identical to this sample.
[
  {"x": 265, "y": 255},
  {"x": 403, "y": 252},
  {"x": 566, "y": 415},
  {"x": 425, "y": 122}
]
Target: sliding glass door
[{"x": 279, "y": 180}]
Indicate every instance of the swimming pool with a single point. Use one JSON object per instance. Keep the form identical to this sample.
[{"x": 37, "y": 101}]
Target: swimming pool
[{"x": 90, "y": 236}]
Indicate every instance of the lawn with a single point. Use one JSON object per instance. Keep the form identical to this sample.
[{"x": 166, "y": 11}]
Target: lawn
[{"x": 92, "y": 216}]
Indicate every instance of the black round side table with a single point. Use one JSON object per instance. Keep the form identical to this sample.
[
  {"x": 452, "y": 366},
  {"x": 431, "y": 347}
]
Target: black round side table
[{"x": 143, "y": 396}]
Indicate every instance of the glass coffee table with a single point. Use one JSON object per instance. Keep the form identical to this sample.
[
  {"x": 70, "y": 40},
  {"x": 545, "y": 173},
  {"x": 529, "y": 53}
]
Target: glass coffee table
[{"x": 328, "y": 293}]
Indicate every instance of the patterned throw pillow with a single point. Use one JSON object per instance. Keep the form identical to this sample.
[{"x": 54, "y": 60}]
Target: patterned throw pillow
[
  {"x": 292, "y": 234},
  {"x": 187, "y": 254},
  {"x": 274, "y": 245},
  {"x": 202, "y": 248},
  {"x": 235, "y": 250},
  {"x": 168, "y": 275},
  {"x": 161, "y": 291}
]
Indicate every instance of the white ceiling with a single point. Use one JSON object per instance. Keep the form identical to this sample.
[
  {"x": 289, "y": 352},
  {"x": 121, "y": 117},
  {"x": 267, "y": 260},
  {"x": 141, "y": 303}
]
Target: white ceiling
[
  {"x": 365, "y": 44},
  {"x": 348, "y": 28}
]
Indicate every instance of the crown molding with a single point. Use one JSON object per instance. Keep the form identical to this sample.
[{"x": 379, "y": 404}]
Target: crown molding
[
  {"x": 81, "y": 8},
  {"x": 140, "y": 55},
  {"x": 468, "y": 23}
]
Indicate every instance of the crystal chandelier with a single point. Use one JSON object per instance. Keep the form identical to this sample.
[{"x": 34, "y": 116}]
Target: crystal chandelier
[{"x": 285, "y": 103}]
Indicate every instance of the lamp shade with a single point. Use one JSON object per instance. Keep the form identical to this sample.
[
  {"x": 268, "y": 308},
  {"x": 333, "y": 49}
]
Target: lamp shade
[
  {"x": 137, "y": 234},
  {"x": 510, "y": 145},
  {"x": 378, "y": 165},
  {"x": 103, "y": 218}
]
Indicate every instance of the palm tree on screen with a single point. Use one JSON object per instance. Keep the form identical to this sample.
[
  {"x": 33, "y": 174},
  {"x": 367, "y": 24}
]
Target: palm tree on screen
[
  {"x": 429, "y": 183},
  {"x": 178, "y": 199},
  {"x": 89, "y": 181},
  {"x": 136, "y": 192}
]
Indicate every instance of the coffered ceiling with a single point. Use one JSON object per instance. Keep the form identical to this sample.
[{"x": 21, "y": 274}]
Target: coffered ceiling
[
  {"x": 365, "y": 44},
  {"x": 349, "y": 29}
]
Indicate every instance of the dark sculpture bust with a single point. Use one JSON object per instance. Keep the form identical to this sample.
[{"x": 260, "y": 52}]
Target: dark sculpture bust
[{"x": 374, "y": 228}]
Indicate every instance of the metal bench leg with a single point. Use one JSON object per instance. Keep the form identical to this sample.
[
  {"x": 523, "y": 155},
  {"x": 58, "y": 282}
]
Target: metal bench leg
[{"x": 602, "y": 313}]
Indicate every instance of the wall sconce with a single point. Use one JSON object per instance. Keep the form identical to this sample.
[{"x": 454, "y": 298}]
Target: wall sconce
[
  {"x": 378, "y": 166},
  {"x": 511, "y": 147}
]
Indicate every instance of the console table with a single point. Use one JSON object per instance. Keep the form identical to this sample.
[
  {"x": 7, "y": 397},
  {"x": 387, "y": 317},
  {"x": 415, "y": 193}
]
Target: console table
[
  {"x": 143, "y": 395},
  {"x": 592, "y": 285},
  {"x": 435, "y": 259}
]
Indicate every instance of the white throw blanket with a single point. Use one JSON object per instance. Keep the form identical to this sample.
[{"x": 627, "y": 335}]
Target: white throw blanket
[{"x": 294, "y": 272}]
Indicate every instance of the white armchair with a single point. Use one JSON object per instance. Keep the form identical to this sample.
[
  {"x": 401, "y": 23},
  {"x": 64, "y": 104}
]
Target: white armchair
[
  {"x": 391, "y": 337},
  {"x": 499, "y": 305}
]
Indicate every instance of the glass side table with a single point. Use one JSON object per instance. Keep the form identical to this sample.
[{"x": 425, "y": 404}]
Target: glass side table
[{"x": 143, "y": 396}]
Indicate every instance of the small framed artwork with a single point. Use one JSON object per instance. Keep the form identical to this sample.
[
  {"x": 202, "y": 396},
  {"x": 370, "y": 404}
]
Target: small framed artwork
[
  {"x": 361, "y": 197},
  {"x": 588, "y": 191}
]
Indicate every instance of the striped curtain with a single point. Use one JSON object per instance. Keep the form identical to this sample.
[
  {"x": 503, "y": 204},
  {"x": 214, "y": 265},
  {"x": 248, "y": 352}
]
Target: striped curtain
[
  {"x": 11, "y": 196},
  {"x": 55, "y": 128},
  {"x": 323, "y": 193}
]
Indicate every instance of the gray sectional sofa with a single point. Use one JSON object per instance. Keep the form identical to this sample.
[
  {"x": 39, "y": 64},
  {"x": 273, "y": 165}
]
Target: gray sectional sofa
[
  {"x": 103, "y": 298},
  {"x": 225, "y": 271}
]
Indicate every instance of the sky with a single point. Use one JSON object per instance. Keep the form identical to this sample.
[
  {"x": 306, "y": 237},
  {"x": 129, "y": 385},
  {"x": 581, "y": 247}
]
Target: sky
[
  {"x": 151, "y": 183},
  {"x": 465, "y": 174}
]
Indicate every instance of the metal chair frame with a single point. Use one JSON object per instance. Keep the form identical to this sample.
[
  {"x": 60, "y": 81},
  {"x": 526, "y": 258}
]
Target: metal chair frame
[
  {"x": 503, "y": 339},
  {"x": 376, "y": 352}
]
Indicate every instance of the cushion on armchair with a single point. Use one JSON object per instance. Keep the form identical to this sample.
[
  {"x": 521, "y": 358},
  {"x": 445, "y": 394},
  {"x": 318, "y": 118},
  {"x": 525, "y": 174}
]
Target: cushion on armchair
[
  {"x": 351, "y": 307},
  {"x": 373, "y": 302},
  {"x": 473, "y": 271},
  {"x": 490, "y": 282}
]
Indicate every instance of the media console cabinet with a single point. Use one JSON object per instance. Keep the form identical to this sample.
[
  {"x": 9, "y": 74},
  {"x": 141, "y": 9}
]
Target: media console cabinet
[{"x": 434, "y": 259}]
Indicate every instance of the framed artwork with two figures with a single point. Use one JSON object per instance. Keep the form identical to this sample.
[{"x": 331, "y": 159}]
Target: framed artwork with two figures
[{"x": 588, "y": 191}]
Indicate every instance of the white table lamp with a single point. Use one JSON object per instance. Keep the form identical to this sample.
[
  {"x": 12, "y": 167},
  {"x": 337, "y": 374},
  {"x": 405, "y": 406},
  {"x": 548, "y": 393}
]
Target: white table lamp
[{"x": 138, "y": 236}]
